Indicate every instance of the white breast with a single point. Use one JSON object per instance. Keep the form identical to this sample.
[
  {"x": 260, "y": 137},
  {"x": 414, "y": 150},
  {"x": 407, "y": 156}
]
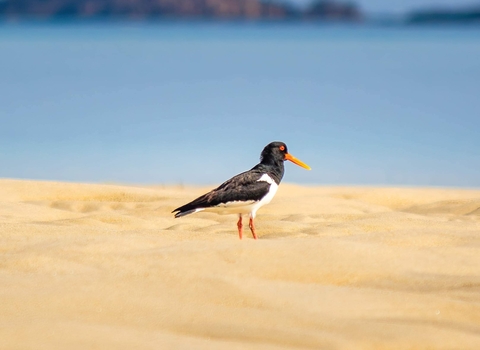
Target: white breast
[{"x": 268, "y": 197}]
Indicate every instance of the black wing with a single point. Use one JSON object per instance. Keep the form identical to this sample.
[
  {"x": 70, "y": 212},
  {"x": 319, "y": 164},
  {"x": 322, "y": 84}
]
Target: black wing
[{"x": 243, "y": 187}]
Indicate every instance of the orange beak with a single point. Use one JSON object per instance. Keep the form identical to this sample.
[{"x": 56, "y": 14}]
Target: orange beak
[{"x": 291, "y": 158}]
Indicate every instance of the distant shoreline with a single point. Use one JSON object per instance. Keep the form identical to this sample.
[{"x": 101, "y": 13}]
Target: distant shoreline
[
  {"x": 242, "y": 22},
  {"x": 377, "y": 22}
]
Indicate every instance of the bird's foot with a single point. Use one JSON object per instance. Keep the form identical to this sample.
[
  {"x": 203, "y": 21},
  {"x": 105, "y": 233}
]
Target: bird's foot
[
  {"x": 239, "y": 225},
  {"x": 252, "y": 228}
]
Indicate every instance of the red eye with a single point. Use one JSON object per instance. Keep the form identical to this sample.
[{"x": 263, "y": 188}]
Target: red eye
[{"x": 282, "y": 148}]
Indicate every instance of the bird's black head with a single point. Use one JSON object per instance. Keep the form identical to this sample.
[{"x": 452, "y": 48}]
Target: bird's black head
[{"x": 276, "y": 153}]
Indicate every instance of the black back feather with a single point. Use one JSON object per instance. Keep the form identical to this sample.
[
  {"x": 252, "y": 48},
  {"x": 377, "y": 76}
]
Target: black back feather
[{"x": 243, "y": 187}]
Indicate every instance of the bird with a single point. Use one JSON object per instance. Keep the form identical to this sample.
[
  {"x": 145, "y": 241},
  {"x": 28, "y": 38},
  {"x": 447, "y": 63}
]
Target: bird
[{"x": 246, "y": 192}]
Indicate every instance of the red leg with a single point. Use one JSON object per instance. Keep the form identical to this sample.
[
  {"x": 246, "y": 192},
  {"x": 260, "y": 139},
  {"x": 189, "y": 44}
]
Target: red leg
[
  {"x": 239, "y": 225},
  {"x": 252, "y": 228}
]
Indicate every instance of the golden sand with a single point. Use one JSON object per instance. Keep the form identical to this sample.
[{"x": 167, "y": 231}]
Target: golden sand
[{"x": 108, "y": 267}]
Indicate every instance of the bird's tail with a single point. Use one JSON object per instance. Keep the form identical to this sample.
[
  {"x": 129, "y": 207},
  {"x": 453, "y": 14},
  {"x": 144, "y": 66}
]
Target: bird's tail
[
  {"x": 198, "y": 204},
  {"x": 181, "y": 213}
]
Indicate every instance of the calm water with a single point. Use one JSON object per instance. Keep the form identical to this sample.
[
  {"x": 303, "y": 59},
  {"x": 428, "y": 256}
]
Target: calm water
[{"x": 196, "y": 103}]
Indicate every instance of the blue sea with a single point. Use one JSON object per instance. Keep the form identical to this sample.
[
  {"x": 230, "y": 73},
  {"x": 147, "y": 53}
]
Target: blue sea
[{"x": 195, "y": 103}]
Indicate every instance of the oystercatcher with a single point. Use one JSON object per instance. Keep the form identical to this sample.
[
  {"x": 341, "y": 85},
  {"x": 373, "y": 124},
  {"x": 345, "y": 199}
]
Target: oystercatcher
[{"x": 245, "y": 193}]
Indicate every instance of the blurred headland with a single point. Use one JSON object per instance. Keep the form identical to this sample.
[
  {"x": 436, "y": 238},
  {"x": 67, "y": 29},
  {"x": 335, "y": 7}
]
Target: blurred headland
[
  {"x": 228, "y": 10},
  {"x": 469, "y": 14},
  {"x": 178, "y": 9}
]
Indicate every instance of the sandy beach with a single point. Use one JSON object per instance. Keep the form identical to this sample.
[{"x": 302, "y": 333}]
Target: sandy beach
[{"x": 90, "y": 266}]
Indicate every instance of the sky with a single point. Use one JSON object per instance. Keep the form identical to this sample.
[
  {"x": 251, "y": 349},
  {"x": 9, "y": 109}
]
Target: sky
[{"x": 399, "y": 6}]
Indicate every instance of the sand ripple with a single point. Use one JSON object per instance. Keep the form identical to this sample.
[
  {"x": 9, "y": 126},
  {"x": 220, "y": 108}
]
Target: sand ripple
[{"x": 107, "y": 266}]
